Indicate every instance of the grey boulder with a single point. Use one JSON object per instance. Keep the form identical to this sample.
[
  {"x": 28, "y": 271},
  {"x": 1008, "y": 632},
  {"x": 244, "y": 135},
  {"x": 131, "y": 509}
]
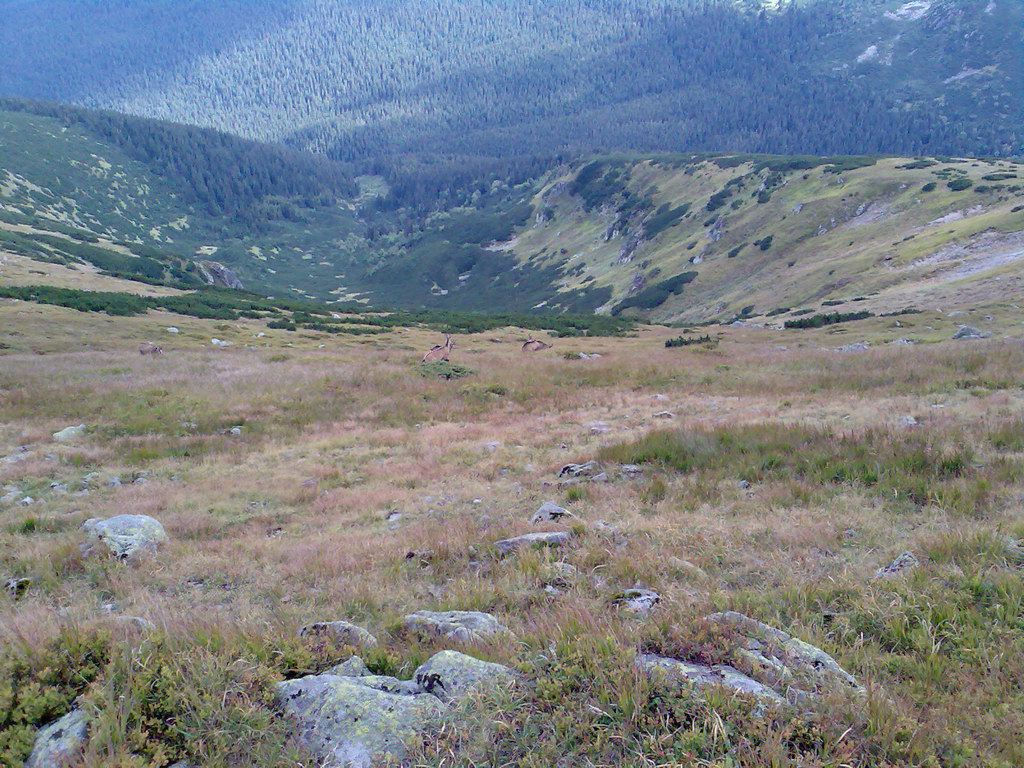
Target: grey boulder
[
  {"x": 466, "y": 626},
  {"x": 550, "y": 512},
  {"x": 340, "y": 631},
  {"x": 905, "y": 562},
  {"x": 640, "y": 601},
  {"x": 69, "y": 433},
  {"x": 450, "y": 675},
  {"x": 127, "y": 537},
  {"x": 966, "y": 332},
  {"x": 346, "y": 723},
  {"x": 587, "y": 469},
  {"x": 60, "y": 743}
]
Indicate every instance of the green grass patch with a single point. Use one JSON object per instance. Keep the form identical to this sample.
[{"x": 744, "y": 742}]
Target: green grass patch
[{"x": 917, "y": 468}]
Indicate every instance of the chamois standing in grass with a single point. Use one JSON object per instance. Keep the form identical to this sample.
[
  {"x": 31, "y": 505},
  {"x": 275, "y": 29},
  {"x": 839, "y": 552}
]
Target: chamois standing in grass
[
  {"x": 533, "y": 345},
  {"x": 149, "y": 348},
  {"x": 441, "y": 351}
]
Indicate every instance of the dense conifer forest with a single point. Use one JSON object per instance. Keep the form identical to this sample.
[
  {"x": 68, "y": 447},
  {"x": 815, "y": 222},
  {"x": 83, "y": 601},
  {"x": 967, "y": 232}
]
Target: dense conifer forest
[{"x": 434, "y": 95}]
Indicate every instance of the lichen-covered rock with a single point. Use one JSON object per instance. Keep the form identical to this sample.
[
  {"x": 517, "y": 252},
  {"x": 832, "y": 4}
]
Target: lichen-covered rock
[
  {"x": 550, "y": 512},
  {"x": 905, "y": 562},
  {"x": 450, "y": 675},
  {"x": 703, "y": 676},
  {"x": 466, "y": 626},
  {"x": 546, "y": 539},
  {"x": 127, "y": 537},
  {"x": 387, "y": 684},
  {"x": 779, "y": 659},
  {"x": 348, "y": 724},
  {"x": 341, "y": 632},
  {"x": 640, "y": 601},
  {"x": 60, "y": 743},
  {"x": 353, "y": 667}
]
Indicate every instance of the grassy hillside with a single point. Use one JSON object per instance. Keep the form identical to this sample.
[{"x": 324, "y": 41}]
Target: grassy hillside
[
  {"x": 684, "y": 238},
  {"x": 59, "y": 171},
  {"x": 294, "y": 472},
  {"x": 755, "y": 234}
]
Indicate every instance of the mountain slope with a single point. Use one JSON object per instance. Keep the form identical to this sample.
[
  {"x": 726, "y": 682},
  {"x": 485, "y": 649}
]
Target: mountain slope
[
  {"x": 763, "y": 233},
  {"x": 453, "y": 91},
  {"x": 728, "y": 232}
]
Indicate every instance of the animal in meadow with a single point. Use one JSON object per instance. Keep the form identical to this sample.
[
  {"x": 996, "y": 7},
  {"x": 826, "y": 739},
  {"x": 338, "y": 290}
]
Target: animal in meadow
[
  {"x": 440, "y": 351},
  {"x": 533, "y": 345},
  {"x": 149, "y": 348}
]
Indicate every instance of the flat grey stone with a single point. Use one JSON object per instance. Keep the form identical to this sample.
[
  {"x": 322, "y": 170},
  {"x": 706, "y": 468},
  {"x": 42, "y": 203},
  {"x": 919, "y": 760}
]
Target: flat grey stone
[
  {"x": 703, "y": 676},
  {"x": 545, "y": 539},
  {"x": 340, "y": 631},
  {"x": 353, "y": 667},
  {"x": 466, "y": 626}
]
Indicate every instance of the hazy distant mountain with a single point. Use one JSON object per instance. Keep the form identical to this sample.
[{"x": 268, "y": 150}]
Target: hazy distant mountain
[{"x": 446, "y": 87}]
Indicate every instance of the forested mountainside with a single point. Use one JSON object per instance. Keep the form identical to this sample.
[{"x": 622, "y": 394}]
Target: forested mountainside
[
  {"x": 687, "y": 237},
  {"x": 435, "y": 94}
]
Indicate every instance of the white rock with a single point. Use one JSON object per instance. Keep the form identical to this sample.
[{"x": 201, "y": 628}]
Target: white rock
[{"x": 69, "y": 433}]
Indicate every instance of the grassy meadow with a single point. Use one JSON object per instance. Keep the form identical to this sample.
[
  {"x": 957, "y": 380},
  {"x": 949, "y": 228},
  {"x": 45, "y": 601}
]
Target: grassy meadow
[{"x": 357, "y": 488}]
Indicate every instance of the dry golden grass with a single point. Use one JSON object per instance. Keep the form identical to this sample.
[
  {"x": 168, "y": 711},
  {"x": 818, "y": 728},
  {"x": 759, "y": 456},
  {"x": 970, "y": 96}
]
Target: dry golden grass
[{"x": 296, "y": 519}]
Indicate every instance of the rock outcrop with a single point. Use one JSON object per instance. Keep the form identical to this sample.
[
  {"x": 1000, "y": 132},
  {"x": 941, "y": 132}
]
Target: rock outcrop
[
  {"x": 704, "y": 676},
  {"x": 777, "y": 667},
  {"x": 784, "y": 662},
  {"x": 215, "y": 273},
  {"x": 587, "y": 469}
]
